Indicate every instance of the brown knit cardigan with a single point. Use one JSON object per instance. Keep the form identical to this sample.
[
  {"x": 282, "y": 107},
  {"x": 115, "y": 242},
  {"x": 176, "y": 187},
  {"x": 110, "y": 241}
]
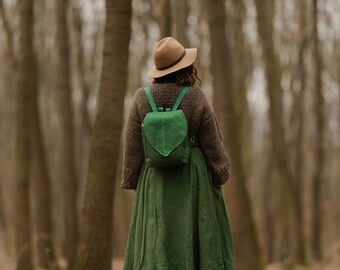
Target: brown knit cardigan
[{"x": 201, "y": 121}]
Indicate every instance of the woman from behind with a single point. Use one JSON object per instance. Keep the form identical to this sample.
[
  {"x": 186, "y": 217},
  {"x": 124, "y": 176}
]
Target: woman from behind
[{"x": 179, "y": 220}]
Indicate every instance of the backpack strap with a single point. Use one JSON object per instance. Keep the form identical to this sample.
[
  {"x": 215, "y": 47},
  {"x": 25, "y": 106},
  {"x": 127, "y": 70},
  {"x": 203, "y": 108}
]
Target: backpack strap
[
  {"x": 151, "y": 101},
  {"x": 180, "y": 98}
]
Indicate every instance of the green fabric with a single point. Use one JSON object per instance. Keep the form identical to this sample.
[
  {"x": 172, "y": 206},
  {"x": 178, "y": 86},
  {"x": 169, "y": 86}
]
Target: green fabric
[
  {"x": 180, "y": 97},
  {"x": 179, "y": 220},
  {"x": 151, "y": 101},
  {"x": 165, "y": 134},
  {"x": 177, "y": 102},
  {"x": 165, "y": 131}
]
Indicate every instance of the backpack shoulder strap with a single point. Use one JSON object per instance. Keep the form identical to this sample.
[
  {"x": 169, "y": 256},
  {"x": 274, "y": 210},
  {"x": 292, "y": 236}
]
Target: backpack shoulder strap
[
  {"x": 180, "y": 98},
  {"x": 151, "y": 101}
]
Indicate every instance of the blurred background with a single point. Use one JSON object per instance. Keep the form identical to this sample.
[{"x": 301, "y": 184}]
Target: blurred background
[{"x": 271, "y": 69}]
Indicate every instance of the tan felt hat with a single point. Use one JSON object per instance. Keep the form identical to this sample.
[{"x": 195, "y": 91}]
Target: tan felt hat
[{"x": 169, "y": 56}]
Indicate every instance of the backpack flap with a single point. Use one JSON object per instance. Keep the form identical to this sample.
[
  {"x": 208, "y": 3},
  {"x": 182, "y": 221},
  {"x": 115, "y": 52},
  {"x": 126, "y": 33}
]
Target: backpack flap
[
  {"x": 165, "y": 131},
  {"x": 164, "y": 134}
]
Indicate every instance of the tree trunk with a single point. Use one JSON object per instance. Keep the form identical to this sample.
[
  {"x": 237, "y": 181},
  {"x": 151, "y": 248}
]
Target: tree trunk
[
  {"x": 69, "y": 176},
  {"x": 288, "y": 225},
  {"x": 180, "y": 12},
  {"x": 269, "y": 232},
  {"x": 165, "y": 19},
  {"x": 9, "y": 34},
  {"x": 22, "y": 155},
  {"x": 241, "y": 63},
  {"x": 319, "y": 151},
  {"x": 95, "y": 248},
  {"x": 247, "y": 249},
  {"x": 40, "y": 178},
  {"x": 86, "y": 78},
  {"x": 299, "y": 154},
  {"x": 2, "y": 210},
  {"x": 122, "y": 216},
  {"x": 10, "y": 81}
]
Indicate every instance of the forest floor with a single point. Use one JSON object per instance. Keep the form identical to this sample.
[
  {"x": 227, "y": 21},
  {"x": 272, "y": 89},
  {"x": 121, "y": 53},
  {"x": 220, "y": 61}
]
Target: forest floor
[
  {"x": 334, "y": 265},
  {"x": 311, "y": 267},
  {"x": 330, "y": 262},
  {"x": 8, "y": 264}
]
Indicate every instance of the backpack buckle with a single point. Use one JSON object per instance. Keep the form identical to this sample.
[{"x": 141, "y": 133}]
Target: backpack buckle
[{"x": 161, "y": 109}]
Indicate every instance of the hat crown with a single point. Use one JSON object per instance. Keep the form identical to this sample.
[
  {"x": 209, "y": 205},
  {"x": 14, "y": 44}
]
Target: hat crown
[{"x": 167, "y": 52}]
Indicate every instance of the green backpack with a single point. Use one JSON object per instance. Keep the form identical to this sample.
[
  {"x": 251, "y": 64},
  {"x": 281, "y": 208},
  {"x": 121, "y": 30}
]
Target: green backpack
[{"x": 165, "y": 134}]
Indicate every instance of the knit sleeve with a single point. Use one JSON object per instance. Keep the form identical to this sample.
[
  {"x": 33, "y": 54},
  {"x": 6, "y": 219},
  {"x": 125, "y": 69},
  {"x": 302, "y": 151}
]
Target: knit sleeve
[
  {"x": 133, "y": 153},
  {"x": 210, "y": 140}
]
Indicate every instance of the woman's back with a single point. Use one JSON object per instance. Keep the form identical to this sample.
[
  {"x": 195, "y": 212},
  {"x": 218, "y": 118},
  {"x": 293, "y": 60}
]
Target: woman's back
[
  {"x": 201, "y": 122},
  {"x": 165, "y": 95}
]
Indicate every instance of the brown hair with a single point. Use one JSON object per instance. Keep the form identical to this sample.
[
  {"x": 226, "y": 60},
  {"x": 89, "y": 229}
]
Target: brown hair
[{"x": 182, "y": 77}]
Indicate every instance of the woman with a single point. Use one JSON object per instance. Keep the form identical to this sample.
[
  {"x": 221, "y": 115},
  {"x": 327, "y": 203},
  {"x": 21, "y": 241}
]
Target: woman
[{"x": 179, "y": 220}]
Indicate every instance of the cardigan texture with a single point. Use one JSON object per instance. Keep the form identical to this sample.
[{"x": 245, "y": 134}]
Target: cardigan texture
[{"x": 201, "y": 121}]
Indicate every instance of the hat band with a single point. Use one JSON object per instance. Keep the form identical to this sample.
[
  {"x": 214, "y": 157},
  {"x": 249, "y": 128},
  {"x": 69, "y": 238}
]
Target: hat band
[{"x": 174, "y": 63}]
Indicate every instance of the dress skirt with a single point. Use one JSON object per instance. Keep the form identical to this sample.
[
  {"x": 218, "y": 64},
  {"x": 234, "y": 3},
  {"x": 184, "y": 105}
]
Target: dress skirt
[{"x": 179, "y": 220}]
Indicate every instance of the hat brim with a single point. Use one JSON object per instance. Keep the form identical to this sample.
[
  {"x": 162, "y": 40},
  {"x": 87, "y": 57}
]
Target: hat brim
[{"x": 188, "y": 59}]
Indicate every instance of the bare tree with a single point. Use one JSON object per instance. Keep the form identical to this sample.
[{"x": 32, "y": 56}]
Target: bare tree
[
  {"x": 180, "y": 12},
  {"x": 299, "y": 107},
  {"x": 40, "y": 180},
  {"x": 9, "y": 33},
  {"x": 95, "y": 248},
  {"x": 286, "y": 200},
  {"x": 85, "y": 68},
  {"x": 69, "y": 176},
  {"x": 21, "y": 181},
  {"x": 247, "y": 249},
  {"x": 242, "y": 68},
  {"x": 319, "y": 151},
  {"x": 165, "y": 19},
  {"x": 10, "y": 79}
]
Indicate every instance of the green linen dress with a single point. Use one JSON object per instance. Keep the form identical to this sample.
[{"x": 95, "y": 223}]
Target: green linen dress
[{"x": 179, "y": 220}]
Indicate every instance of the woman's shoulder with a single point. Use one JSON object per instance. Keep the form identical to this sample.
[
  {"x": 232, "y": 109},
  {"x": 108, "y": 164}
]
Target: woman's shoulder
[
  {"x": 197, "y": 95},
  {"x": 138, "y": 92},
  {"x": 196, "y": 91},
  {"x": 139, "y": 95}
]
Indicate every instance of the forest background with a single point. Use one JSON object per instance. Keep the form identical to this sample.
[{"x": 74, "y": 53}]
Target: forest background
[{"x": 68, "y": 72}]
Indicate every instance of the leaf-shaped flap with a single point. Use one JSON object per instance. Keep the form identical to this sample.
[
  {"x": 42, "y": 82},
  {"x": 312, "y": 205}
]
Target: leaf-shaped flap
[{"x": 165, "y": 131}]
